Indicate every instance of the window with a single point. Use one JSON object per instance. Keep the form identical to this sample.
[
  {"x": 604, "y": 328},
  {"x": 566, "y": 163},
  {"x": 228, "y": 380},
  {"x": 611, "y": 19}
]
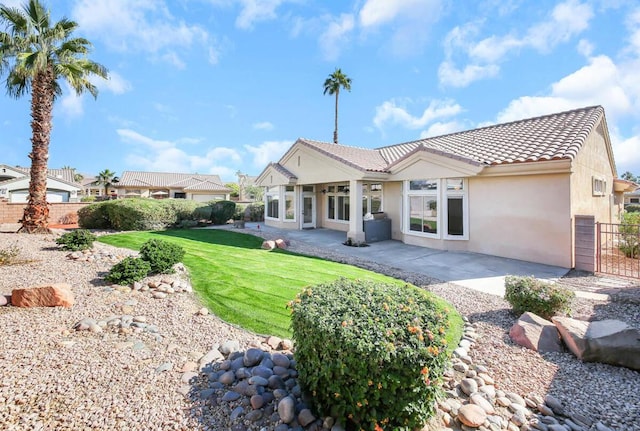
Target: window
[
  {"x": 338, "y": 202},
  {"x": 599, "y": 186},
  {"x": 273, "y": 197},
  {"x": 423, "y": 206},
  {"x": 437, "y": 208},
  {"x": 371, "y": 198},
  {"x": 289, "y": 203}
]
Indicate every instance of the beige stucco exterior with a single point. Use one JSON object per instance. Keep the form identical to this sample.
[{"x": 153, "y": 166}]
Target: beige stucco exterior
[{"x": 521, "y": 210}]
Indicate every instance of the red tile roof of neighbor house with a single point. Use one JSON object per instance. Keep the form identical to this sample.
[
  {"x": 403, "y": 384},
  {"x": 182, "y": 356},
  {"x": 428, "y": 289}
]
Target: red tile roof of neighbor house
[
  {"x": 549, "y": 137},
  {"x": 170, "y": 180}
]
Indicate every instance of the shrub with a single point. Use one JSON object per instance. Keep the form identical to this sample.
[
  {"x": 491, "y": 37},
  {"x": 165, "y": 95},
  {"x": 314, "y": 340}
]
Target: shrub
[
  {"x": 69, "y": 218},
  {"x": 90, "y": 198},
  {"x": 374, "y": 353},
  {"x": 629, "y": 241},
  {"x": 94, "y": 216},
  {"x": 79, "y": 239},
  {"x": 9, "y": 255},
  {"x": 128, "y": 270},
  {"x": 632, "y": 208},
  {"x": 161, "y": 255},
  {"x": 256, "y": 211},
  {"x": 202, "y": 212},
  {"x": 222, "y": 211},
  {"x": 539, "y": 297}
]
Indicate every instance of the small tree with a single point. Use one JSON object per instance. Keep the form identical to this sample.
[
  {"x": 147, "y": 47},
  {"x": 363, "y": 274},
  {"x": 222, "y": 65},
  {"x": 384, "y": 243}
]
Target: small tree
[
  {"x": 106, "y": 178},
  {"x": 630, "y": 234}
]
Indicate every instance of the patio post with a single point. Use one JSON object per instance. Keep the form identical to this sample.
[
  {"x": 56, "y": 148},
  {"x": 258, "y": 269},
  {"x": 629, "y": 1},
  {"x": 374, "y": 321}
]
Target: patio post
[{"x": 356, "y": 229}]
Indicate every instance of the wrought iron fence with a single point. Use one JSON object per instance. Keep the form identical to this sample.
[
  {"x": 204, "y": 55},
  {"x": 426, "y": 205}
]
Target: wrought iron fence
[{"x": 618, "y": 251}]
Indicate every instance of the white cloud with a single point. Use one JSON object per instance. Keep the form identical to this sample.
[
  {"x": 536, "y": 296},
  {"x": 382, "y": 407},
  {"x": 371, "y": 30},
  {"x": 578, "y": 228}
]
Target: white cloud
[
  {"x": 449, "y": 75},
  {"x": 140, "y": 26},
  {"x": 162, "y": 155},
  {"x": 268, "y": 151},
  {"x": 565, "y": 21},
  {"x": 71, "y": 105},
  {"x": 263, "y": 125},
  {"x": 410, "y": 22},
  {"x": 585, "y": 48},
  {"x": 393, "y": 112},
  {"x": 116, "y": 84},
  {"x": 439, "y": 129},
  {"x": 334, "y": 37},
  {"x": 626, "y": 151},
  {"x": 255, "y": 11}
]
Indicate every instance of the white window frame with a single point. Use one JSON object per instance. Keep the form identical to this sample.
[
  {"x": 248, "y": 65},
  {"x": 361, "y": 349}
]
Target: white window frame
[
  {"x": 273, "y": 192},
  {"x": 368, "y": 194},
  {"x": 442, "y": 195},
  {"x": 337, "y": 191},
  {"x": 292, "y": 195},
  {"x": 598, "y": 186}
]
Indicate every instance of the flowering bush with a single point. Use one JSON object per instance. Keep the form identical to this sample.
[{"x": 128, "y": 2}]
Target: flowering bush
[
  {"x": 373, "y": 353},
  {"x": 541, "y": 298}
]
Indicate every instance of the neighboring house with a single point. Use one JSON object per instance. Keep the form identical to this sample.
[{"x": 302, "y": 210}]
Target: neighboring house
[
  {"x": 61, "y": 187},
  {"x": 91, "y": 188},
  {"x": 161, "y": 185},
  {"x": 510, "y": 190},
  {"x": 632, "y": 197}
]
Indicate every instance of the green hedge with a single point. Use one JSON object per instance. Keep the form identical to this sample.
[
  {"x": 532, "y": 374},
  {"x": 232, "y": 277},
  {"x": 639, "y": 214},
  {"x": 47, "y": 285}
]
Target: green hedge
[
  {"x": 632, "y": 208},
  {"x": 140, "y": 214},
  {"x": 222, "y": 211},
  {"x": 373, "y": 353}
]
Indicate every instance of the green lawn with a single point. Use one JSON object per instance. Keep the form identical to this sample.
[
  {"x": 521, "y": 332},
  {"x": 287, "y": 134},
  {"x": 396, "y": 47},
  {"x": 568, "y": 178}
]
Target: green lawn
[{"x": 241, "y": 283}]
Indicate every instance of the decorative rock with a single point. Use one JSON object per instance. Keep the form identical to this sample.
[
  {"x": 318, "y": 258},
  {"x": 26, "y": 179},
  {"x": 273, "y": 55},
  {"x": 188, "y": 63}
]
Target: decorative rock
[
  {"x": 4, "y": 300},
  {"x": 269, "y": 245},
  {"x": 273, "y": 341},
  {"x": 482, "y": 402},
  {"x": 203, "y": 311},
  {"x": 252, "y": 357},
  {"x": 286, "y": 344},
  {"x": 167, "y": 366},
  {"x": 535, "y": 333},
  {"x": 606, "y": 341},
  {"x": 515, "y": 398},
  {"x": 286, "y": 409},
  {"x": 231, "y": 396},
  {"x": 469, "y": 386},
  {"x": 472, "y": 415},
  {"x": 554, "y": 403},
  {"x": 229, "y": 346},
  {"x": 281, "y": 244},
  {"x": 52, "y": 295},
  {"x": 305, "y": 417},
  {"x": 257, "y": 401},
  {"x": 211, "y": 356}
]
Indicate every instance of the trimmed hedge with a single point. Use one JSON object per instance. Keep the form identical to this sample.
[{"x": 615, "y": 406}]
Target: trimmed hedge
[
  {"x": 373, "y": 353},
  {"x": 539, "y": 297},
  {"x": 140, "y": 214}
]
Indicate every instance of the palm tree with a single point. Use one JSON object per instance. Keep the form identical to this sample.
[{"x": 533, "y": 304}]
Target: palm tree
[
  {"x": 36, "y": 53},
  {"x": 106, "y": 178},
  {"x": 77, "y": 177},
  {"x": 332, "y": 86}
]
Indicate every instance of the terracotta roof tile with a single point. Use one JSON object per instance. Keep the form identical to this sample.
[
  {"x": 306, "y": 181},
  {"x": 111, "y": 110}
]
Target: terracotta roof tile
[
  {"x": 549, "y": 137},
  {"x": 163, "y": 179},
  {"x": 360, "y": 158}
]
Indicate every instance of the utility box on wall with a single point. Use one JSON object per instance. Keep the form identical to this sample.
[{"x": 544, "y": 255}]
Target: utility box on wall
[{"x": 377, "y": 230}]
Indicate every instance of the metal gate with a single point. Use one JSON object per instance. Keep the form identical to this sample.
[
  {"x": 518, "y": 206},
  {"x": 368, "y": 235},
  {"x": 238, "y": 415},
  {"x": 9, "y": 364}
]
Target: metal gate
[{"x": 618, "y": 249}]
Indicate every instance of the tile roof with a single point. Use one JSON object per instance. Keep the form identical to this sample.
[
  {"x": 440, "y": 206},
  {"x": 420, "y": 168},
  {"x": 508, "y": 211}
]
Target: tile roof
[
  {"x": 66, "y": 175},
  {"x": 281, "y": 169},
  {"x": 165, "y": 179},
  {"x": 360, "y": 158},
  {"x": 207, "y": 186},
  {"x": 550, "y": 137}
]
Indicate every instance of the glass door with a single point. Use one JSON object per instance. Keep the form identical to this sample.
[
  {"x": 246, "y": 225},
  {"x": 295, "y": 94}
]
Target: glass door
[{"x": 308, "y": 211}]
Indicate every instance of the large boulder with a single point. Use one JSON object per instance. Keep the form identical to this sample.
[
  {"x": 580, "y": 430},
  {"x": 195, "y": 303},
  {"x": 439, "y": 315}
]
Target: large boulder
[
  {"x": 607, "y": 341},
  {"x": 51, "y": 295},
  {"x": 535, "y": 333}
]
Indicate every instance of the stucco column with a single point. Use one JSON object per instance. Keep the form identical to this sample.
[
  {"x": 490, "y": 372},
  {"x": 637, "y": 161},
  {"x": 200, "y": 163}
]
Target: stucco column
[{"x": 356, "y": 232}]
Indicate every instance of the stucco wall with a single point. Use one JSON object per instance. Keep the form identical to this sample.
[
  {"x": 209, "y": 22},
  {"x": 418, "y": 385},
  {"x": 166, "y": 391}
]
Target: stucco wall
[
  {"x": 593, "y": 160},
  {"x": 526, "y": 218}
]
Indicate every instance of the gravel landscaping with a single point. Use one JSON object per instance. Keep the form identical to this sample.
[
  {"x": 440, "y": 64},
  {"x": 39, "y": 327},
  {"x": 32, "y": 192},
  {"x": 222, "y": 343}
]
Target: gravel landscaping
[{"x": 55, "y": 377}]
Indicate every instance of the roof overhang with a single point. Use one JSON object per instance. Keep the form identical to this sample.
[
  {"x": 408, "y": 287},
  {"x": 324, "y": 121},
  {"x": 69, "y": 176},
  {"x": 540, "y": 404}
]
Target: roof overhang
[
  {"x": 435, "y": 160},
  {"x": 561, "y": 166},
  {"x": 271, "y": 176},
  {"x": 624, "y": 186}
]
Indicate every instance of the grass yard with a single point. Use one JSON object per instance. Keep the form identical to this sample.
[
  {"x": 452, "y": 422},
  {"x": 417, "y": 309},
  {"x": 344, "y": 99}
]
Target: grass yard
[{"x": 241, "y": 283}]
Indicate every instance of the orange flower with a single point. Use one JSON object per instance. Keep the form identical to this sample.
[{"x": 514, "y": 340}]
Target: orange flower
[
  {"x": 378, "y": 427},
  {"x": 425, "y": 370},
  {"x": 344, "y": 323}
]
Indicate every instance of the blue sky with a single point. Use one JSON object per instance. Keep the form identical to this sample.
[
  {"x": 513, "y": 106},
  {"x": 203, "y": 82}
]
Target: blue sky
[{"x": 217, "y": 86}]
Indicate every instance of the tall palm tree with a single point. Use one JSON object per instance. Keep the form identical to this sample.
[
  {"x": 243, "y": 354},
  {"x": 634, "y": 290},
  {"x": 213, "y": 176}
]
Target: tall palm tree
[
  {"x": 107, "y": 179},
  {"x": 36, "y": 53},
  {"x": 332, "y": 85}
]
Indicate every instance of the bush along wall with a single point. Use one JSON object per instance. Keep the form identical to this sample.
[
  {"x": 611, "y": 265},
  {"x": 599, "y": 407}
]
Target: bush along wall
[{"x": 373, "y": 353}]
